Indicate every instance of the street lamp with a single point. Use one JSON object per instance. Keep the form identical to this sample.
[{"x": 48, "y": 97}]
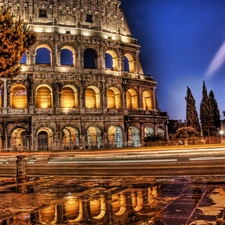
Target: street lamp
[{"x": 221, "y": 135}]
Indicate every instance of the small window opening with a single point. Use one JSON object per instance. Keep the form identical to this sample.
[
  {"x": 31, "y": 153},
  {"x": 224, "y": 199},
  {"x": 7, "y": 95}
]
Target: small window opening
[
  {"x": 67, "y": 32},
  {"x": 89, "y": 19},
  {"x": 42, "y": 13}
]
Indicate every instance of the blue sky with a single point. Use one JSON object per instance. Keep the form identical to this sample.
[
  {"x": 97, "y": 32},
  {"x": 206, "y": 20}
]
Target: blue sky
[{"x": 182, "y": 44}]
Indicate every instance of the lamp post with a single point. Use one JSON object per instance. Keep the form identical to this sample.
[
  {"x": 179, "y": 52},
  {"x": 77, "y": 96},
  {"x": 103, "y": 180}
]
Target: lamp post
[{"x": 221, "y": 135}]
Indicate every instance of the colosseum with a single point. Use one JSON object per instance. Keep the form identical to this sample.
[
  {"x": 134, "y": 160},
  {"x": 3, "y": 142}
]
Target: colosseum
[{"x": 81, "y": 84}]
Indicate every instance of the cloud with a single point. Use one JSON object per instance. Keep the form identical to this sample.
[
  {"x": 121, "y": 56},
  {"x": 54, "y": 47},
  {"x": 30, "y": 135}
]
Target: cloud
[{"x": 217, "y": 61}]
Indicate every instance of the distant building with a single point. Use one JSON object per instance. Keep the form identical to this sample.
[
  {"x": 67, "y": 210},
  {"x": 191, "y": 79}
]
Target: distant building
[{"x": 81, "y": 84}]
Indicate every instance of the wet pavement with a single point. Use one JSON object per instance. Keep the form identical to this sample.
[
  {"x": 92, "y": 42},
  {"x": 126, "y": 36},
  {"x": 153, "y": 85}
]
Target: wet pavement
[{"x": 113, "y": 200}]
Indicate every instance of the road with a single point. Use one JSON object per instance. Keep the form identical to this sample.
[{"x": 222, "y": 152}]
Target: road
[{"x": 117, "y": 162}]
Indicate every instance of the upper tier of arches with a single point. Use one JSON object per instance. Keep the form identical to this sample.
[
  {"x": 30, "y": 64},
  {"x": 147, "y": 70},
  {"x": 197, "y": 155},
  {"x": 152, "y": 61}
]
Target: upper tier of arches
[{"x": 88, "y": 58}]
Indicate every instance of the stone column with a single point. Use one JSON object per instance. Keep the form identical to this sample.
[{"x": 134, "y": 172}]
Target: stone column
[{"x": 21, "y": 174}]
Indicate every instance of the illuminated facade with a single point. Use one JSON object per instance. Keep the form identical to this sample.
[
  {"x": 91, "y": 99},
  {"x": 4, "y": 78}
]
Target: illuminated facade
[{"x": 81, "y": 83}]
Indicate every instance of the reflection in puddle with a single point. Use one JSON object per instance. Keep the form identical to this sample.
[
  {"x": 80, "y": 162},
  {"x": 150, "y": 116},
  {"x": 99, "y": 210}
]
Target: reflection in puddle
[{"x": 113, "y": 200}]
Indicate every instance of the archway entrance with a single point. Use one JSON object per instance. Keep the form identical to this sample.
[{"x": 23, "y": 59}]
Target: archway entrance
[
  {"x": 133, "y": 137},
  {"x": 94, "y": 139},
  {"x": 70, "y": 138},
  {"x": 45, "y": 141},
  {"x": 115, "y": 137},
  {"x": 20, "y": 140}
]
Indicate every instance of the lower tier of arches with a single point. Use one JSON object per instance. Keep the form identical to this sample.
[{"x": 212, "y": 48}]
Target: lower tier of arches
[{"x": 43, "y": 133}]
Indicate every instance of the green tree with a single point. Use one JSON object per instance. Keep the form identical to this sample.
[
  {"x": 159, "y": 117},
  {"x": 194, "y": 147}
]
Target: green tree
[
  {"x": 185, "y": 132},
  {"x": 206, "y": 116},
  {"x": 191, "y": 112},
  {"x": 15, "y": 38},
  {"x": 215, "y": 110}
]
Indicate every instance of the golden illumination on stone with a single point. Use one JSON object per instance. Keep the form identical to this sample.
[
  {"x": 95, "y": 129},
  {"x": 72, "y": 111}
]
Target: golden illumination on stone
[
  {"x": 18, "y": 97},
  {"x": 47, "y": 215},
  {"x": 43, "y": 97},
  {"x": 147, "y": 100},
  {"x": 69, "y": 97},
  {"x": 113, "y": 98},
  {"x": 92, "y": 97},
  {"x": 131, "y": 99}
]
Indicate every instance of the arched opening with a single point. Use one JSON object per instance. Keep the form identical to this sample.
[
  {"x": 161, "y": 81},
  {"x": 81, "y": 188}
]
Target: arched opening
[
  {"x": 113, "y": 98},
  {"x": 90, "y": 59},
  {"x": 23, "y": 59},
  {"x": 70, "y": 138},
  {"x": 20, "y": 140},
  {"x": 43, "y": 56},
  {"x": 111, "y": 60},
  {"x": 108, "y": 61},
  {"x": 119, "y": 204},
  {"x": 94, "y": 138},
  {"x": 161, "y": 132},
  {"x": 72, "y": 208},
  {"x": 147, "y": 100},
  {"x": 133, "y": 137},
  {"x": 43, "y": 97},
  {"x": 98, "y": 208},
  {"x": 129, "y": 63},
  {"x": 69, "y": 97},
  {"x": 18, "y": 97},
  {"x": 115, "y": 137},
  {"x": 148, "y": 131},
  {"x": 137, "y": 200},
  {"x": 47, "y": 215},
  {"x": 45, "y": 141},
  {"x": 67, "y": 56},
  {"x": 92, "y": 97},
  {"x": 131, "y": 99}
]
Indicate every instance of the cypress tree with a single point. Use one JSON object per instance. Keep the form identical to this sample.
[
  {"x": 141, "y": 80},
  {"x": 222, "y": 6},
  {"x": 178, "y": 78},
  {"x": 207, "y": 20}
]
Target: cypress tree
[
  {"x": 206, "y": 116},
  {"x": 191, "y": 112},
  {"x": 214, "y": 109},
  {"x": 15, "y": 38}
]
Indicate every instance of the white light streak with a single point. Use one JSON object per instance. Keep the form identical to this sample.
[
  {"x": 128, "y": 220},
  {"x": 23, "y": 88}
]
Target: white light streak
[{"x": 217, "y": 61}]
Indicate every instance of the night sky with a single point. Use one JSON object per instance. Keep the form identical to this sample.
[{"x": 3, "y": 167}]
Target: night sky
[{"x": 182, "y": 44}]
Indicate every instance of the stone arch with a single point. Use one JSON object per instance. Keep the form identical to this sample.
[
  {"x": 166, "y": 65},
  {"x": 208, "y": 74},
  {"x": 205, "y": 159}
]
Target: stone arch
[
  {"x": 43, "y": 55},
  {"x": 113, "y": 58},
  {"x": 119, "y": 205},
  {"x": 115, "y": 136},
  {"x": 160, "y": 131},
  {"x": 92, "y": 97},
  {"x": 113, "y": 98},
  {"x": 44, "y": 138},
  {"x": 90, "y": 58},
  {"x": 131, "y": 99},
  {"x": 69, "y": 97},
  {"x": 67, "y": 56},
  {"x": 148, "y": 130},
  {"x": 133, "y": 137},
  {"x": 94, "y": 139},
  {"x": 19, "y": 139},
  {"x": 18, "y": 96},
  {"x": 70, "y": 138},
  {"x": 43, "y": 96},
  {"x": 74, "y": 210},
  {"x": 129, "y": 63},
  {"x": 98, "y": 208},
  {"x": 137, "y": 200},
  {"x": 146, "y": 100},
  {"x": 47, "y": 215}
]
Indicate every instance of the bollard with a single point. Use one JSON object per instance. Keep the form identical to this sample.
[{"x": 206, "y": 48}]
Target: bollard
[{"x": 21, "y": 174}]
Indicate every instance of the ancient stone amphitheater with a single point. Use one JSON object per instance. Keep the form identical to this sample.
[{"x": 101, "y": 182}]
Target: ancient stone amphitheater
[{"x": 81, "y": 84}]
